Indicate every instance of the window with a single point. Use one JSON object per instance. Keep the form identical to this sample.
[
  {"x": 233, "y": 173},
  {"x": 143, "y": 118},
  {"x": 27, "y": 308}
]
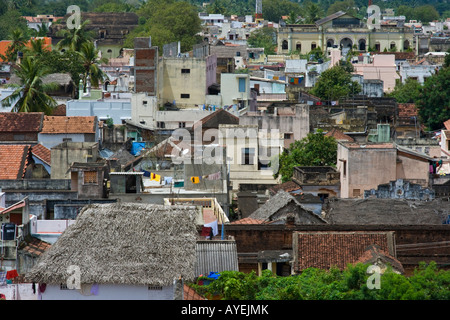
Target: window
[
  {"x": 90, "y": 177},
  {"x": 185, "y": 71},
  {"x": 144, "y": 103},
  {"x": 313, "y": 46},
  {"x": 185, "y": 96},
  {"x": 241, "y": 84},
  {"x": 248, "y": 155},
  {"x": 356, "y": 192},
  {"x": 154, "y": 287},
  {"x": 287, "y": 136},
  {"x": 298, "y": 46},
  {"x": 160, "y": 124},
  {"x": 284, "y": 45},
  {"x": 181, "y": 124}
]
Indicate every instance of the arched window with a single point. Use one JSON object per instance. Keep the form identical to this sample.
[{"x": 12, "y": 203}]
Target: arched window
[
  {"x": 406, "y": 45},
  {"x": 362, "y": 45},
  {"x": 298, "y": 46},
  {"x": 284, "y": 45}
]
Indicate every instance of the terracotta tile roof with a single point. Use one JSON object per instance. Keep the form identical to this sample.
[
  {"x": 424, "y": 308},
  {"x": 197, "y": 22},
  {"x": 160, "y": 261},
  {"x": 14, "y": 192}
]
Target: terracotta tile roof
[
  {"x": 13, "y": 161},
  {"x": 339, "y": 135},
  {"x": 374, "y": 254},
  {"x": 60, "y": 110},
  {"x": 248, "y": 221},
  {"x": 36, "y": 247},
  {"x": 42, "y": 153},
  {"x": 191, "y": 294},
  {"x": 62, "y": 124},
  {"x": 21, "y": 121},
  {"x": 447, "y": 124},
  {"x": 213, "y": 120},
  {"x": 334, "y": 249}
]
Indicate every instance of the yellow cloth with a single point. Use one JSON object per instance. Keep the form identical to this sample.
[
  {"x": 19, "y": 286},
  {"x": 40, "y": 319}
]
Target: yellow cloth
[
  {"x": 155, "y": 177},
  {"x": 195, "y": 179}
]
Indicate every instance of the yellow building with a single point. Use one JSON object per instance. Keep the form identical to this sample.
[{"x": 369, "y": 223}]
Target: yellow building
[{"x": 343, "y": 31}]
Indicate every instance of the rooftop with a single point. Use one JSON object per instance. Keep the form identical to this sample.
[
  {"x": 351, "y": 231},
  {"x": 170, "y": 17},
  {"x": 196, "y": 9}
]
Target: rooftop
[
  {"x": 13, "y": 161},
  {"x": 64, "y": 124},
  {"x": 21, "y": 121}
]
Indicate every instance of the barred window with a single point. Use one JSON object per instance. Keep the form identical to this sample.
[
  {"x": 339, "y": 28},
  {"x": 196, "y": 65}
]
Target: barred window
[{"x": 90, "y": 177}]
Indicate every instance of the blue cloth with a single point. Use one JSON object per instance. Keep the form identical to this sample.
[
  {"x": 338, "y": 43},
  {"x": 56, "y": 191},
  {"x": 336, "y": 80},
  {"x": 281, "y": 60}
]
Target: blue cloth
[
  {"x": 213, "y": 275},
  {"x": 146, "y": 173}
]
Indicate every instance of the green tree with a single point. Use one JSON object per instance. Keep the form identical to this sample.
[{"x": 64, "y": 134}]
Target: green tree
[
  {"x": 167, "y": 21},
  {"x": 312, "y": 12},
  {"x": 73, "y": 39},
  {"x": 63, "y": 62},
  {"x": 273, "y": 10},
  {"x": 90, "y": 61},
  {"x": 18, "y": 41},
  {"x": 407, "y": 92},
  {"x": 263, "y": 38},
  {"x": 335, "y": 83},
  {"x": 348, "y": 6},
  {"x": 32, "y": 93},
  {"x": 433, "y": 103},
  {"x": 315, "y": 149}
]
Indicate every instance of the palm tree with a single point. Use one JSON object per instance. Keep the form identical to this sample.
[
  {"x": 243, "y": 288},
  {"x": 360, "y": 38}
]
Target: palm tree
[
  {"x": 91, "y": 60},
  {"x": 41, "y": 31},
  {"x": 37, "y": 47},
  {"x": 18, "y": 41},
  {"x": 74, "y": 38},
  {"x": 31, "y": 95}
]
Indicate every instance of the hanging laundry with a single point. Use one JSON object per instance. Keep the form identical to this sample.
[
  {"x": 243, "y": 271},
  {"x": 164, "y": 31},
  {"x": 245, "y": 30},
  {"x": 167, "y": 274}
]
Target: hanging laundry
[
  {"x": 178, "y": 184},
  {"x": 94, "y": 289},
  {"x": 146, "y": 173},
  {"x": 206, "y": 232},
  {"x": 155, "y": 177},
  {"x": 2, "y": 277},
  {"x": 214, "y": 227},
  {"x": 11, "y": 274},
  {"x": 215, "y": 176},
  {"x": 195, "y": 180},
  {"x": 167, "y": 180}
]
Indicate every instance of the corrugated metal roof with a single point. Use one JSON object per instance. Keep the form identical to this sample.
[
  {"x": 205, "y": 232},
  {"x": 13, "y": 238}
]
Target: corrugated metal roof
[{"x": 216, "y": 256}]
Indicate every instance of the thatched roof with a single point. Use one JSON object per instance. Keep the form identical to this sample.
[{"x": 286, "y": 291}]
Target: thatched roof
[{"x": 124, "y": 243}]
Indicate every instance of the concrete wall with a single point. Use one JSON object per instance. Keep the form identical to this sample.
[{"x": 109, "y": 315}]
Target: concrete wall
[
  {"x": 109, "y": 292},
  {"x": 64, "y": 154},
  {"x": 51, "y": 140},
  {"x": 366, "y": 168},
  {"x": 381, "y": 68},
  {"x": 229, "y": 89},
  {"x": 116, "y": 109},
  {"x": 176, "y": 81},
  {"x": 298, "y": 124},
  {"x": 413, "y": 169}
]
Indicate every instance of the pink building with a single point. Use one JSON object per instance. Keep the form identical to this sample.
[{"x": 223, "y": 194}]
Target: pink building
[{"x": 379, "y": 67}]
